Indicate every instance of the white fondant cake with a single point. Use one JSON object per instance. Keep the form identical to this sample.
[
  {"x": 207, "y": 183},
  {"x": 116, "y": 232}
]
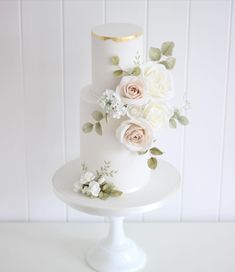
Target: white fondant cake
[
  {"x": 125, "y": 41},
  {"x": 122, "y": 111}
]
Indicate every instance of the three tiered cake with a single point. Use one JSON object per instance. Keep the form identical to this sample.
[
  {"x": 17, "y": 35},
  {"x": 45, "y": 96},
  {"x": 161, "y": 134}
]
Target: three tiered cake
[{"x": 122, "y": 111}]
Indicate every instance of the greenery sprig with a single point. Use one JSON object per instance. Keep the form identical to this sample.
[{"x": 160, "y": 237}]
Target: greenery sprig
[
  {"x": 107, "y": 190},
  {"x": 152, "y": 161},
  {"x": 106, "y": 170},
  {"x": 98, "y": 116},
  {"x": 163, "y": 55},
  {"x": 177, "y": 117},
  {"x": 120, "y": 72}
]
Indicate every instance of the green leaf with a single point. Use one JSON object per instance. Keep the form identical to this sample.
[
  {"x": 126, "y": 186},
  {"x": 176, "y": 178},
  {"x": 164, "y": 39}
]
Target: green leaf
[
  {"x": 154, "y": 53},
  {"x": 136, "y": 71},
  {"x": 167, "y": 48},
  {"x": 172, "y": 123},
  {"x": 98, "y": 128},
  {"x": 103, "y": 195},
  {"x": 169, "y": 63},
  {"x": 152, "y": 163},
  {"x": 118, "y": 73},
  {"x": 142, "y": 152},
  {"x": 155, "y": 151},
  {"x": 107, "y": 188},
  {"x": 97, "y": 115},
  {"x": 87, "y": 127},
  {"x": 115, "y": 60},
  {"x": 183, "y": 120},
  {"x": 115, "y": 193}
]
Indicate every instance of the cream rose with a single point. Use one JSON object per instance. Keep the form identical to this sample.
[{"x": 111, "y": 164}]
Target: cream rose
[
  {"x": 132, "y": 90},
  {"x": 135, "y": 135},
  {"x": 157, "y": 114},
  {"x": 159, "y": 81}
]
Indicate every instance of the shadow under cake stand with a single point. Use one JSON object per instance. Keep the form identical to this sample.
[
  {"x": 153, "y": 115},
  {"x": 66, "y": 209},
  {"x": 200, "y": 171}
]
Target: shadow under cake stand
[{"x": 117, "y": 253}]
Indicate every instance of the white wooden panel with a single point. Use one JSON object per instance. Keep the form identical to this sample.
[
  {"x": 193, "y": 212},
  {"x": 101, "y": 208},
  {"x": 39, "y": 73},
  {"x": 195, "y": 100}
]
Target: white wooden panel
[
  {"x": 79, "y": 18},
  {"x": 129, "y": 12},
  {"x": 168, "y": 21},
  {"x": 43, "y": 98},
  {"x": 207, "y": 77},
  {"x": 12, "y": 160},
  {"x": 227, "y": 211}
]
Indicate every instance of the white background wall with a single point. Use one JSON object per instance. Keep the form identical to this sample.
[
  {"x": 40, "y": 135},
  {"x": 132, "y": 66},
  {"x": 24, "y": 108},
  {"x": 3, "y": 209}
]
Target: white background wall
[{"x": 45, "y": 60}]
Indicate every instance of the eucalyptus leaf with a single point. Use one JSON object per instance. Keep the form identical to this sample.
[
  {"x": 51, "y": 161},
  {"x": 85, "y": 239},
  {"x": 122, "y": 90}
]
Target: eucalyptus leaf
[
  {"x": 154, "y": 53},
  {"x": 115, "y": 60},
  {"x": 183, "y": 120},
  {"x": 118, "y": 73},
  {"x": 169, "y": 63},
  {"x": 152, "y": 163},
  {"x": 142, "y": 152},
  {"x": 155, "y": 151},
  {"x": 115, "y": 193},
  {"x": 98, "y": 128},
  {"x": 167, "y": 48},
  {"x": 87, "y": 127},
  {"x": 172, "y": 123},
  {"x": 103, "y": 195},
  {"x": 136, "y": 71},
  {"x": 107, "y": 188},
  {"x": 97, "y": 115}
]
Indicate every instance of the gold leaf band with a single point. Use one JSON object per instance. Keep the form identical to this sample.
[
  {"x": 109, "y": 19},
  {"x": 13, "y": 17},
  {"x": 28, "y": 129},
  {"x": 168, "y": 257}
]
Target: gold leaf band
[{"x": 117, "y": 39}]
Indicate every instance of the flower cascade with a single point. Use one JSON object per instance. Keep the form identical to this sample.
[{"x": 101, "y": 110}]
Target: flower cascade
[{"x": 141, "y": 101}]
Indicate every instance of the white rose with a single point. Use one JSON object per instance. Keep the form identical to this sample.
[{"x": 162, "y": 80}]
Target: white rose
[
  {"x": 157, "y": 114},
  {"x": 94, "y": 188},
  {"x": 87, "y": 177},
  {"x": 135, "y": 135},
  {"x": 76, "y": 187},
  {"x": 159, "y": 81},
  {"x": 132, "y": 90}
]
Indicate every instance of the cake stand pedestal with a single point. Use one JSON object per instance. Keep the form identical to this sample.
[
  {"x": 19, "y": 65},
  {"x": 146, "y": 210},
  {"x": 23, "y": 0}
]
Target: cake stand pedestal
[{"x": 117, "y": 253}]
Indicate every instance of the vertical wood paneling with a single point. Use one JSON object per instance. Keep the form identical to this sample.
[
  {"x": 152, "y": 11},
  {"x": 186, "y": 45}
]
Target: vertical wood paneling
[
  {"x": 79, "y": 18},
  {"x": 12, "y": 158},
  {"x": 168, "y": 21},
  {"x": 43, "y": 104},
  {"x": 127, "y": 12},
  {"x": 206, "y": 86},
  {"x": 227, "y": 209}
]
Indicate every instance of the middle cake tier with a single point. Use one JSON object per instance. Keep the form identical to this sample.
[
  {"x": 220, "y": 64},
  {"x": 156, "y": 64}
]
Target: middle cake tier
[{"x": 132, "y": 173}]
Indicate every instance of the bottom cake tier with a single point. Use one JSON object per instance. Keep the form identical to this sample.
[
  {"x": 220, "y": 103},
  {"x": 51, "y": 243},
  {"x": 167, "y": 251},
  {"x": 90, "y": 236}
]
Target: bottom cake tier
[{"x": 130, "y": 172}]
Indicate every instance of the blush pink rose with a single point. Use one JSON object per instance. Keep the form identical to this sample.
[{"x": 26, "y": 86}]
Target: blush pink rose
[
  {"x": 135, "y": 135},
  {"x": 132, "y": 90}
]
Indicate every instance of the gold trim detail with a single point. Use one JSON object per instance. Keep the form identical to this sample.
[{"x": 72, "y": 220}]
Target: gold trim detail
[{"x": 117, "y": 39}]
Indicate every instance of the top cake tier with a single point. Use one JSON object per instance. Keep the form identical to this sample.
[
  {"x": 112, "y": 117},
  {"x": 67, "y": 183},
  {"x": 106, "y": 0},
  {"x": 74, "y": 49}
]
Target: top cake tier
[{"x": 108, "y": 40}]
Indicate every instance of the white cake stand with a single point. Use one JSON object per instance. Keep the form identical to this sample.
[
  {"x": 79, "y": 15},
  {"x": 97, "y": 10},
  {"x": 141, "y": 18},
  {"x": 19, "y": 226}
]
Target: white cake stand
[{"x": 117, "y": 253}]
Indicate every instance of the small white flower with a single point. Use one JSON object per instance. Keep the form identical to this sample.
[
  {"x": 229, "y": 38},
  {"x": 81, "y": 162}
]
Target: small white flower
[
  {"x": 159, "y": 81},
  {"x": 86, "y": 190},
  {"x": 87, "y": 177},
  {"x": 94, "y": 188},
  {"x": 101, "y": 180},
  {"x": 76, "y": 187},
  {"x": 134, "y": 111},
  {"x": 111, "y": 103}
]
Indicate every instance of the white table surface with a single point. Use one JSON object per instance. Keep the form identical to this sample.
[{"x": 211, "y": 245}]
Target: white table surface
[{"x": 171, "y": 247}]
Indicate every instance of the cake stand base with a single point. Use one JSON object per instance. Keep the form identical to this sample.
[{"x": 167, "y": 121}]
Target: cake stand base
[{"x": 116, "y": 253}]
